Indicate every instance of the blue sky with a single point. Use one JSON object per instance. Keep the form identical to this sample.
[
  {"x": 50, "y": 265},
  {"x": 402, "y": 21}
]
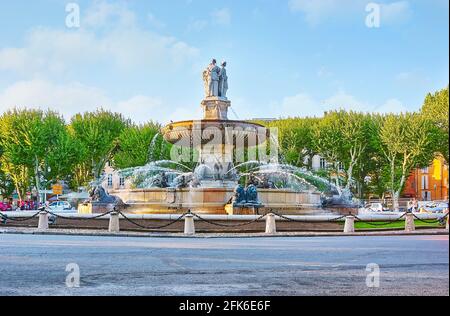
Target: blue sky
[{"x": 285, "y": 57}]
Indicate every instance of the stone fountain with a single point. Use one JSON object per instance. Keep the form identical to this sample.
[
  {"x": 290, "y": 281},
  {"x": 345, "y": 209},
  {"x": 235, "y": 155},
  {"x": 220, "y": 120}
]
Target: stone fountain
[{"x": 215, "y": 185}]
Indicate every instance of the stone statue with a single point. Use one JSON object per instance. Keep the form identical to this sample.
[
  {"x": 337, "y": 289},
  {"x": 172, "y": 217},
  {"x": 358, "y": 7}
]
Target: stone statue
[
  {"x": 211, "y": 77},
  {"x": 98, "y": 194},
  {"x": 246, "y": 197},
  {"x": 239, "y": 197},
  {"x": 206, "y": 82},
  {"x": 223, "y": 81},
  {"x": 252, "y": 194}
]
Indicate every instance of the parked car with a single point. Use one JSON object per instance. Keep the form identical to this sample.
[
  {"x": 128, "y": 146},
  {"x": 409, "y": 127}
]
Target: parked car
[
  {"x": 434, "y": 207},
  {"x": 5, "y": 207},
  {"x": 374, "y": 207},
  {"x": 61, "y": 206}
]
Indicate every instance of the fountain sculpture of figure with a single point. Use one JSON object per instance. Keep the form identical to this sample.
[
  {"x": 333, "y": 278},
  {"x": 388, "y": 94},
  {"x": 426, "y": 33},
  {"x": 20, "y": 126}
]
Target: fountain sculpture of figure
[
  {"x": 246, "y": 197},
  {"x": 223, "y": 81},
  {"x": 209, "y": 186}
]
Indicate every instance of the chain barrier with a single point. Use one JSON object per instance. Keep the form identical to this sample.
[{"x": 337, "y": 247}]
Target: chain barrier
[
  {"x": 226, "y": 225},
  {"x": 78, "y": 218},
  {"x": 431, "y": 221},
  {"x": 155, "y": 227},
  {"x": 6, "y": 218},
  {"x": 303, "y": 221},
  {"x": 384, "y": 223}
]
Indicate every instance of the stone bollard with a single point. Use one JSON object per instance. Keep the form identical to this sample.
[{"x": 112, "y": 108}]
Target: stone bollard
[
  {"x": 349, "y": 226},
  {"x": 271, "y": 226},
  {"x": 114, "y": 226},
  {"x": 410, "y": 226},
  {"x": 189, "y": 226},
  {"x": 43, "y": 221}
]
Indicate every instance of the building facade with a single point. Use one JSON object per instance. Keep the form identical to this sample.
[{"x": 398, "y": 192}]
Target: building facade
[{"x": 430, "y": 183}]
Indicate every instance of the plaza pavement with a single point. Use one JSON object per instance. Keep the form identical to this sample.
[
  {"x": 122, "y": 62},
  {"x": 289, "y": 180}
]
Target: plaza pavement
[{"x": 409, "y": 265}]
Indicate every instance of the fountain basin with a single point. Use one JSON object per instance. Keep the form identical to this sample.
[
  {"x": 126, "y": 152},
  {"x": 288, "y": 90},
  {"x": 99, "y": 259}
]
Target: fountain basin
[
  {"x": 201, "y": 132},
  {"x": 212, "y": 200}
]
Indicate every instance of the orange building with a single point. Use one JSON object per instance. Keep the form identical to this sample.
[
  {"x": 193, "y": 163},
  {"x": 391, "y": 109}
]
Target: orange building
[{"x": 429, "y": 184}]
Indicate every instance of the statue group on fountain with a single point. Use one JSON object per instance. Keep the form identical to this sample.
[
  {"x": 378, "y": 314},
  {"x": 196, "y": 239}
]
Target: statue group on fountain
[{"x": 215, "y": 80}]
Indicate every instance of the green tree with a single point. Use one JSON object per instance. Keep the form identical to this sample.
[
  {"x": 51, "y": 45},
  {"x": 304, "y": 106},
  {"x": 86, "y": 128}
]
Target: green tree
[
  {"x": 138, "y": 145},
  {"x": 436, "y": 109},
  {"x": 97, "y": 133},
  {"x": 406, "y": 142},
  {"x": 29, "y": 139},
  {"x": 295, "y": 137},
  {"x": 6, "y": 183},
  {"x": 328, "y": 141}
]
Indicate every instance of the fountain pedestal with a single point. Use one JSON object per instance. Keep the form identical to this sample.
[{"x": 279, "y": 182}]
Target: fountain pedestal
[{"x": 215, "y": 108}]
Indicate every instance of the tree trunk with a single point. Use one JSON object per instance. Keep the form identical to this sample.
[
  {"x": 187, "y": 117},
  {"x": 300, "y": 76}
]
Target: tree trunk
[
  {"x": 38, "y": 189},
  {"x": 395, "y": 202},
  {"x": 19, "y": 194},
  {"x": 349, "y": 176}
]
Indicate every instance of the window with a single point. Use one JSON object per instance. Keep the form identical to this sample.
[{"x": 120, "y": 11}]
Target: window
[
  {"x": 425, "y": 170},
  {"x": 323, "y": 163},
  {"x": 424, "y": 182},
  {"x": 110, "y": 180},
  {"x": 426, "y": 196},
  {"x": 122, "y": 182},
  {"x": 341, "y": 166}
]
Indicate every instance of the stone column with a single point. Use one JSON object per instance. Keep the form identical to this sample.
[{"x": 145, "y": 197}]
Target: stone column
[
  {"x": 189, "y": 226},
  {"x": 43, "y": 221},
  {"x": 271, "y": 226},
  {"x": 114, "y": 226},
  {"x": 349, "y": 226},
  {"x": 410, "y": 226}
]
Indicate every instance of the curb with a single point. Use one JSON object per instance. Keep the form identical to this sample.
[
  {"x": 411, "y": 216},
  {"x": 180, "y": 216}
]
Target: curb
[{"x": 424, "y": 232}]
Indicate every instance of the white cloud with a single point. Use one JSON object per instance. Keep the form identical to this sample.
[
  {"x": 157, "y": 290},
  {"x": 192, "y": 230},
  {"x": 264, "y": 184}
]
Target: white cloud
[
  {"x": 299, "y": 105},
  {"x": 155, "y": 22},
  {"x": 108, "y": 34},
  {"x": 342, "y": 100},
  {"x": 68, "y": 99},
  {"x": 316, "y": 12},
  {"x": 395, "y": 12},
  {"x": 197, "y": 25},
  {"x": 323, "y": 72},
  {"x": 72, "y": 98},
  {"x": 221, "y": 16},
  {"x": 304, "y": 105},
  {"x": 392, "y": 106},
  {"x": 102, "y": 14}
]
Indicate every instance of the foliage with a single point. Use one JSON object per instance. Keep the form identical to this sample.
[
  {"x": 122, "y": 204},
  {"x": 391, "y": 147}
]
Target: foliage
[
  {"x": 436, "y": 109},
  {"x": 406, "y": 142},
  {"x": 295, "y": 137},
  {"x": 97, "y": 133},
  {"x": 139, "y": 145},
  {"x": 32, "y": 144}
]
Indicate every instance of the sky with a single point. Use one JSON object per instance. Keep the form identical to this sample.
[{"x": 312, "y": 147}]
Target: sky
[{"x": 144, "y": 58}]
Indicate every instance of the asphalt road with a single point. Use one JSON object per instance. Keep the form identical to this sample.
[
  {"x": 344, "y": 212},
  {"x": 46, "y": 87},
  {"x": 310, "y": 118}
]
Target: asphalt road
[{"x": 36, "y": 265}]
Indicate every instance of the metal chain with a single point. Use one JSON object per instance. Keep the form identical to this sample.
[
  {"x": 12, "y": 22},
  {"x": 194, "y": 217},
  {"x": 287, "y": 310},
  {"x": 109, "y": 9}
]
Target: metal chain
[
  {"x": 225, "y": 225},
  {"x": 385, "y": 223},
  {"x": 19, "y": 219},
  {"x": 303, "y": 221},
  {"x": 78, "y": 218},
  {"x": 152, "y": 228},
  {"x": 430, "y": 221}
]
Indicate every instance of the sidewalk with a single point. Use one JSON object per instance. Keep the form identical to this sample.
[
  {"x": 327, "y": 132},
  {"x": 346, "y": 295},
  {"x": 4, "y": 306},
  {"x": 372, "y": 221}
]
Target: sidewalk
[{"x": 105, "y": 233}]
